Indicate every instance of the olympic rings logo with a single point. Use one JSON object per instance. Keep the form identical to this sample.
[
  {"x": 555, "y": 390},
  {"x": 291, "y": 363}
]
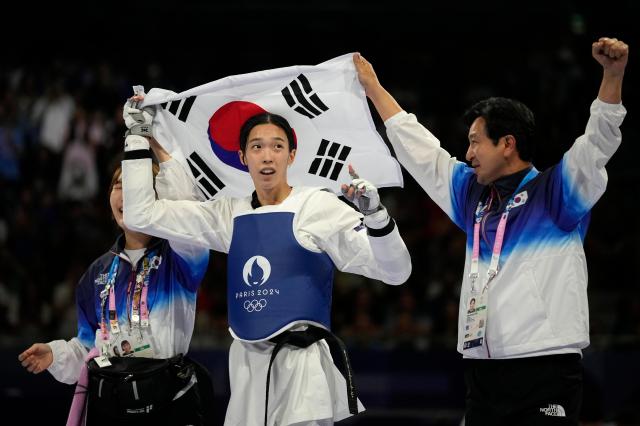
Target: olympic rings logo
[{"x": 254, "y": 305}]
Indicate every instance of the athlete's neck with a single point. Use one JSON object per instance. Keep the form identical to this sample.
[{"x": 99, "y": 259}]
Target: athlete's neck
[{"x": 272, "y": 196}]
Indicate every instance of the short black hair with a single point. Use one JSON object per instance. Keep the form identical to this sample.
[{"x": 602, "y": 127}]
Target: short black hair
[
  {"x": 504, "y": 116},
  {"x": 266, "y": 118}
]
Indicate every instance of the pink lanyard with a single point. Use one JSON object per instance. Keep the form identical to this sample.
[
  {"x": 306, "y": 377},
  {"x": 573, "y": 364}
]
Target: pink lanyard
[
  {"x": 139, "y": 312},
  {"x": 144, "y": 321},
  {"x": 142, "y": 284},
  {"x": 110, "y": 293},
  {"x": 150, "y": 262},
  {"x": 500, "y": 231}
]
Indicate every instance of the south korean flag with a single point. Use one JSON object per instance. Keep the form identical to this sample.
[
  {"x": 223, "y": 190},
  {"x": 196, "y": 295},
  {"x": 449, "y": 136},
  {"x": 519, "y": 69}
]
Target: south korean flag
[{"x": 325, "y": 105}]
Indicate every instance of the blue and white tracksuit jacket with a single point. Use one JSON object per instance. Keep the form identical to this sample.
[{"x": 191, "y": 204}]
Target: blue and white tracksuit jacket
[
  {"x": 171, "y": 297},
  {"x": 537, "y": 304}
]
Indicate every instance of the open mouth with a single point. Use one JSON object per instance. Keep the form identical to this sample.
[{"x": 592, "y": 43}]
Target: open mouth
[{"x": 267, "y": 171}]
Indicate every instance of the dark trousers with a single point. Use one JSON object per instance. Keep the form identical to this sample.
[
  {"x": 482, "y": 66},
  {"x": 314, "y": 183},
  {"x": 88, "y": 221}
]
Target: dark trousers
[
  {"x": 536, "y": 391},
  {"x": 185, "y": 410}
]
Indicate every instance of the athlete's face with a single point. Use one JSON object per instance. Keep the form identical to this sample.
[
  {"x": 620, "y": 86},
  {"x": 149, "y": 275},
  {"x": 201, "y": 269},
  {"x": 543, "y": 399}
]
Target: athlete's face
[
  {"x": 489, "y": 161},
  {"x": 115, "y": 199},
  {"x": 267, "y": 156}
]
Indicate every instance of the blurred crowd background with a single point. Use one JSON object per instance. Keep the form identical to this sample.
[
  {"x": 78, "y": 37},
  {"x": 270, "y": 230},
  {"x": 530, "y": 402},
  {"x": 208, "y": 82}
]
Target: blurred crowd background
[{"x": 61, "y": 135}]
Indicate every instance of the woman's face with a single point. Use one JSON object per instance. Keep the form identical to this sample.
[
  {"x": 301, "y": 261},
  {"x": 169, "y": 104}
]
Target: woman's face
[
  {"x": 267, "y": 156},
  {"x": 115, "y": 199}
]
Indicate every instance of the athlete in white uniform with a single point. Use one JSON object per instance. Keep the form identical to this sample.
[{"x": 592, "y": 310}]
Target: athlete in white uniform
[{"x": 283, "y": 244}]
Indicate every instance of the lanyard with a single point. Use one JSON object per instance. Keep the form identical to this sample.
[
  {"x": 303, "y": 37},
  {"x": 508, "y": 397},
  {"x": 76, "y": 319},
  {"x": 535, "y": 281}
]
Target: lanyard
[
  {"x": 139, "y": 312},
  {"x": 109, "y": 292},
  {"x": 139, "y": 308},
  {"x": 500, "y": 231}
]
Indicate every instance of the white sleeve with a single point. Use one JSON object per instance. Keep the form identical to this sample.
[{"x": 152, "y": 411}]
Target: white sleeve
[
  {"x": 336, "y": 229},
  {"x": 583, "y": 165},
  {"x": 174, "y": 183},
  {"x": 205, "y": 224},
  {"x": 419, "y": 151},
  {"x": 68, "y": 358}
]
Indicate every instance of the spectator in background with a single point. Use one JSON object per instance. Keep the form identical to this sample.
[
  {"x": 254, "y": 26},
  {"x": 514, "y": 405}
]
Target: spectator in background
[
  {"x": 79, "y": 173},
  {"x": 53, "y": 114}
]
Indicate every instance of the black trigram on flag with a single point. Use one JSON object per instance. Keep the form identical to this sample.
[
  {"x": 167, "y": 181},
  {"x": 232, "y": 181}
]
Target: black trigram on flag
[
  {"x": 180, "y": 108},
  {"x": 207, "y": 181},
  {"x": 329, "y": 161},
  {"x": 305, "y": 103}
]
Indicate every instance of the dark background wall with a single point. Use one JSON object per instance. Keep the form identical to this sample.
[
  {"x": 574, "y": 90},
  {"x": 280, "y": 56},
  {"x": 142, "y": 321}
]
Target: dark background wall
[{"x": 435, "y": 57}]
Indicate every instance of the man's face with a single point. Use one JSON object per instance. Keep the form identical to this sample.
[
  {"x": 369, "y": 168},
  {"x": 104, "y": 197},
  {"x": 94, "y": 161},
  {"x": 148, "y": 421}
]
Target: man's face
[
  {"x": 488, "y": 160},
  {"x": 267, "y": 156},
  {"x": 115, "y": 200}
]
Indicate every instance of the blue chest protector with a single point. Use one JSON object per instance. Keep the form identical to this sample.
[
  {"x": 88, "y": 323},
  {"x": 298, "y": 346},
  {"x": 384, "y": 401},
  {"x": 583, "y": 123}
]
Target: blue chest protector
[{"x": 272, "y": 280}]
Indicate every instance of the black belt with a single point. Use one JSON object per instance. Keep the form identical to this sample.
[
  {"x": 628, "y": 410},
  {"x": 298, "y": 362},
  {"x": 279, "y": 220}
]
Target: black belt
[{"x": 305, "y": 338}]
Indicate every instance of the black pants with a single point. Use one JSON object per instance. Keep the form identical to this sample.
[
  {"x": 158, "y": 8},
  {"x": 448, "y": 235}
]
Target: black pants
[
  {"x": 534, "y": 391},
  {"x": 185, "y": 410}
]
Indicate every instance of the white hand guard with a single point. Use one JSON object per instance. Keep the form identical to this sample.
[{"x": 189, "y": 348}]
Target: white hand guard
[
  {"x": 366, "y": 198},
  {"x": 138, "y": 121}
]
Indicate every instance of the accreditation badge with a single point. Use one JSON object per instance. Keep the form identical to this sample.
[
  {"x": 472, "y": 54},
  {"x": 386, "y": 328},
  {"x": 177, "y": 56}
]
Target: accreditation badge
[
  {"x": 136, "y": 343},
  {"x": 475, "y": 324}
]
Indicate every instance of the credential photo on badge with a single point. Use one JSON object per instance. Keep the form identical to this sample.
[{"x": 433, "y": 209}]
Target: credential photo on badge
[
  {"x": 472, "y": 305},
  {"x": 137, "y": 346},
  {"x": 125, "y": 345}
]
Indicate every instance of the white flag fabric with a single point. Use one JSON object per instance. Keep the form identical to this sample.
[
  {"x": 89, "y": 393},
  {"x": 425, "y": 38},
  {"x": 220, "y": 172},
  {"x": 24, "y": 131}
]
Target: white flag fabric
[{"x": 325, "y": 105}]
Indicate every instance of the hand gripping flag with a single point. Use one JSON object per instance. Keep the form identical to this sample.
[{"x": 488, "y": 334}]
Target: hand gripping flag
[{"x": 324, "y": 104}]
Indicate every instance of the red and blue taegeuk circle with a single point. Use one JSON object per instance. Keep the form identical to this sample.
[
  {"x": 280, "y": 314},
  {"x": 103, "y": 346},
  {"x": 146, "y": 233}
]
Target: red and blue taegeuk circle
[{"x": 224, "y": 130}]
